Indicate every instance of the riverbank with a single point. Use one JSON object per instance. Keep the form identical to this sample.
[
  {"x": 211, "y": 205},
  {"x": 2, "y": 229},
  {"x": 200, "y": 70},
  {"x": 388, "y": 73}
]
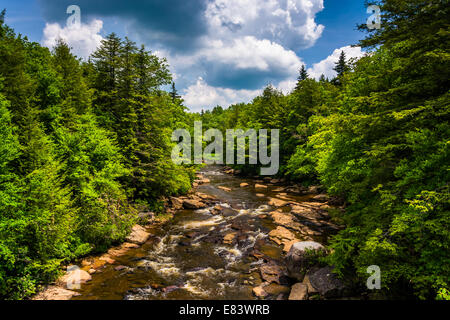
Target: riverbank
[{"x": 229, "y": 239}]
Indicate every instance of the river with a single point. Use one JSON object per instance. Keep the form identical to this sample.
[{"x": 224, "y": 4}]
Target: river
[{"x": 187, "y": 258}]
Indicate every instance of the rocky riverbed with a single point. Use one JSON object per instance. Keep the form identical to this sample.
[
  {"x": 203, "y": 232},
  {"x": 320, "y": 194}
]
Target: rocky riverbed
[{"x": 232, "y": 238}]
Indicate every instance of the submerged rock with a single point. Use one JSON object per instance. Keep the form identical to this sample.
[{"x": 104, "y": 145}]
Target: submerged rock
[
  {"x": 225, "y": 189},
  {"x": 301, "y": 258}
]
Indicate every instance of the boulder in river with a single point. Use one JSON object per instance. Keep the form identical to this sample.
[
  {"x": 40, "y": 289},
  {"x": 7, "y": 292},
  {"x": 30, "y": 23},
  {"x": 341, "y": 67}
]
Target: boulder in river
[
  {"x": 138, "y": 235},
  {"x": 321, "y": 198},
  {"x": 260, "y": 186},
  {"x": 74, "y": 276},
  {"x": 193, "y": 204},
  {"x": 225, "y": 189},
  {"x": 260, "y": 292},
  {"x": 299, "y": 291},
  {"x": 301, "y": 257},
  {"x": 327, "y": 283},
  {"x": 55, "y": 293},
  {"x": 229, "y": 238},
  {"x": 283, "y": 236},
  {"x": 275, "y": 289},
  {"x": 176, "y": 203},
  {"x": 273, "y": 274},
  {"x": 278, "y": 203},
  {"x": 243, "y": 185}
]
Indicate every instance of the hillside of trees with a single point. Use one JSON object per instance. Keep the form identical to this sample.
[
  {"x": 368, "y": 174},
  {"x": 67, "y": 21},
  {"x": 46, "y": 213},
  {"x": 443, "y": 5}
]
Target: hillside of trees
[
  {"x": 85, "y": 145},
  {"x": 378, "y": 137}
]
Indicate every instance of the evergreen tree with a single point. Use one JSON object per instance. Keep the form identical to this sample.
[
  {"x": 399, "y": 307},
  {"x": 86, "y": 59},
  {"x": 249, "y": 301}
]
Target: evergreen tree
[
  {"x": 303, "y": 75},
  {"x": 341, "y": 65}
]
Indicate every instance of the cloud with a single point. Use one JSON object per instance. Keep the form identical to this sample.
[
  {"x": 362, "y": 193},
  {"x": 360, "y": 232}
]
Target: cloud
[
  {"x": 241, "y": 63},
  {"x": 83, "y": 38},
  {"x": 290, "y": 23},
  {"x": 203, "y": 96},
  {"x": 326, "y": 66},
  {"x": 176, "y": 23}
]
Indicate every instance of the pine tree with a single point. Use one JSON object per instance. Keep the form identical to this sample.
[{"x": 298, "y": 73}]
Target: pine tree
[
  {"x": 303, "y": 75},
  {"x": 174, "y": 94},
  {"x": 341, "y": 65}
]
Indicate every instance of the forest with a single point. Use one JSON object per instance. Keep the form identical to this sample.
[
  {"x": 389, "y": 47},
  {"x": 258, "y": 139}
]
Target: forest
[{"x": 87, "y": 144}]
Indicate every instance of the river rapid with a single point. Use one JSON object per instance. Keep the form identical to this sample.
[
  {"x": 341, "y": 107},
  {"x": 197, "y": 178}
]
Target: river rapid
[{"x": 200, "y": 254}]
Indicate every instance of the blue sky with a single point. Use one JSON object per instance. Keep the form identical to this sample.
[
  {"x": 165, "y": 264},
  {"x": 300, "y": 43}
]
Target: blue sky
[{"x": 220, "y": 51}]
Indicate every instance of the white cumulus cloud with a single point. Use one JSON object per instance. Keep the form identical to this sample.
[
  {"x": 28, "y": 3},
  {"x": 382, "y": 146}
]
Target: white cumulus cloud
[
  {"x": 326, "y": 66},
  {"x": 288, "y": 22},
  {"x": 83, "y": 38},
  {"x": 203, "y": 96}
]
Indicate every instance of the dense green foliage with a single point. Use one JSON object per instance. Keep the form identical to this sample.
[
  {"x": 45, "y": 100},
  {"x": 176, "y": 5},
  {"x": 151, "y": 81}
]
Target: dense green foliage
[
  {"x": 378, "y": 137},
  {"x": 82, "y": 144}
]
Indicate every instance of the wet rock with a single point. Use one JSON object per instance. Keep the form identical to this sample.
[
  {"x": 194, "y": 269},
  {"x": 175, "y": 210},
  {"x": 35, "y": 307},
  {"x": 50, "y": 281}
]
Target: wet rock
[
  {"x": 107, "y": 259},
  {"x": 275, "y": 181},
  {"x": 138, "y": 235},
  {"x": 301, "y": 258},
  {"x": 327, "y": 283},
  {"x": 260, "y": 195},
  {"x": 156, "y": 286},
  {"x": 286, "y": 220},
  {"x": 311, "y": 289},
  {"x": 192, "y": 234},
  {"x": 259, "y": 292},
  {"x": 314, "y": 189},
  {"x": 55, "y": 293},
  {"x": 204, "y": 197},
  {"x": 74, "y": 276},
  {"x": 218, "y": 209},
  {"x": 276, "y": 289},
  {"x": 122, "y": 249},
  {"x": 241, "y": 225},
  {"x": 284, "y": 237},
  {"x": 273, "y": 274},
  {"x": 86, "y": 262},
  {"x": 260, "y": 186},
  {"x": 229, "y": 238},
  {"x": 170, "y": 289},
  {"x": 225, "y": 189},
  {"x": 92, "y": 271},
  {"x": 184, "y": 243},
  {"x": 299, "y": 291},
  {"x": 203, "y": 181},
  {"x": 120, "y": 268},
  {"x": 280, "y": 189},
  {"x": 278, "y": 203},
  {"x": 321, "y": 198},
  {"x": 193, "y": 204},
  {"x": 243, "y": 185}
]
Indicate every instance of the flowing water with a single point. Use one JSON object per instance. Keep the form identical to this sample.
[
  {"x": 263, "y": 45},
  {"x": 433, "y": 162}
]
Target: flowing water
[{"x": 187, "y": 258}]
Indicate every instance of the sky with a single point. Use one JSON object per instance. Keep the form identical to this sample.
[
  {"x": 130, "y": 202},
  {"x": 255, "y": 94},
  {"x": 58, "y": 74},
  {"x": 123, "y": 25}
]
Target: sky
[{"x": 220, "y": 51}]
